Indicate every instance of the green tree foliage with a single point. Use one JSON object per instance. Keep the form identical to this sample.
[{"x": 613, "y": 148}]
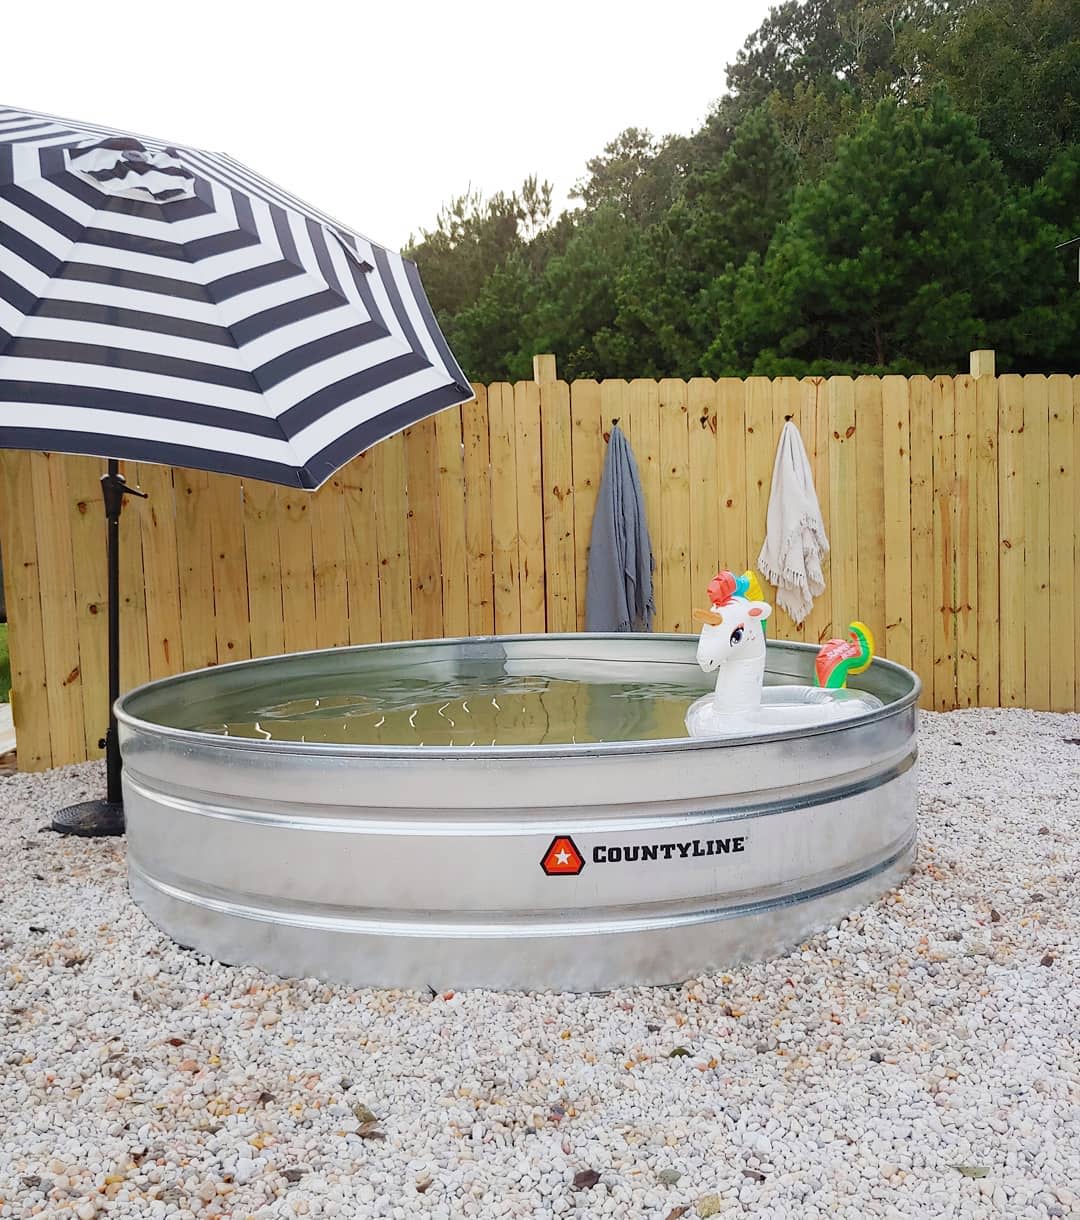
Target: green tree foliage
[
  {"x": 728, "y": 211},
  {"x": 880, "y": 188},
  {"x": 742, "y": 200},
  {"x": 1014, "y": 65},
  {"x": 637, "y": 177},
  {"x": 472, "y": 237},
  {"x": 576, "y": 310},
  {"x": 489, "y": 335},
  {"x": 1040, "y": 329},
  {"x": 810, "y": 120},
  {"x": 892, "y": 260},
  {"x": 858, "y": 47}
]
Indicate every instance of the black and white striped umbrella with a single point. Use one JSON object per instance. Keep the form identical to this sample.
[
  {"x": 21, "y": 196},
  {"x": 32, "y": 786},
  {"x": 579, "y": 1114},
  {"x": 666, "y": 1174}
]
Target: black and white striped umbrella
[{"x": 165, "y": 304}]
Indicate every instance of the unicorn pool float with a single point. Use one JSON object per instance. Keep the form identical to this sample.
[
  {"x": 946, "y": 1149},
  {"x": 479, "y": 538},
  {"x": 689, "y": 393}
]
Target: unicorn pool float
[{"x": 732, "y": 643}]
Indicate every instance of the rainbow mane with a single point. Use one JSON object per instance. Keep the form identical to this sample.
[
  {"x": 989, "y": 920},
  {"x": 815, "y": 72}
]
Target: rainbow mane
[
  {"x": 722, "y": 588},
  {"x": 754, "y": 590}
]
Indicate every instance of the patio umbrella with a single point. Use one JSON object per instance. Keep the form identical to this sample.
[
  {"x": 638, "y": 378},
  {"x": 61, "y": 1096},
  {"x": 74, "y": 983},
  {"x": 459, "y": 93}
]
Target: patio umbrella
[{"x": 166, "y": 304}]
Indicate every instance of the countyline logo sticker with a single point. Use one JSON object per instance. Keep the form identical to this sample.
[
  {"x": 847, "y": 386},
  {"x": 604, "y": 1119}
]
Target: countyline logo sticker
[
  {"x": 562, "y": 858},
  {"x": 688, "y": 849}
]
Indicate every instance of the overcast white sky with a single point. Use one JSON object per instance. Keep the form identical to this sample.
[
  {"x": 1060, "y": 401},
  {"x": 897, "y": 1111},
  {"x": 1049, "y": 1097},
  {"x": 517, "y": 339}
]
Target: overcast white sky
[{"x": 379, "y": 113}]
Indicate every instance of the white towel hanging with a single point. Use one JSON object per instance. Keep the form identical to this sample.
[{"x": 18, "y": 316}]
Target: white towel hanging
[{"x": 795, "y": 541}]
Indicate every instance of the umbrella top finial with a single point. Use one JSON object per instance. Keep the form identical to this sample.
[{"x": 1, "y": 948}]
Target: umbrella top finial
[{"x": 126, "y": 168}]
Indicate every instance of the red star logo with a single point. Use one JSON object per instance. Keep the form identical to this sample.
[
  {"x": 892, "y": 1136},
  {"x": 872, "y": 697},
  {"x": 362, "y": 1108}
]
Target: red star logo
[{"x": 562, "y": 858}]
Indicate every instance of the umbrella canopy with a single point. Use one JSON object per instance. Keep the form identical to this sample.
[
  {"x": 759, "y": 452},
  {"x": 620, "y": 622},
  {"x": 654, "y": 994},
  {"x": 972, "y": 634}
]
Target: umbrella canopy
[{"x": 165, "y": 304}]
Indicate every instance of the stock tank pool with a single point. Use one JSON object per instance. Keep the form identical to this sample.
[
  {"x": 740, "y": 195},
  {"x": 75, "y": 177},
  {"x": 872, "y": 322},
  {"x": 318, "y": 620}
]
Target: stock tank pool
[{"x": 517, "y": 812}]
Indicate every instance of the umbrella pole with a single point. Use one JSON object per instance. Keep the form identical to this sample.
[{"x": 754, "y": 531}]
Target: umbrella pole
[
  {"x": 106, "y": 817},
  {"x": 112, "y": 490}
]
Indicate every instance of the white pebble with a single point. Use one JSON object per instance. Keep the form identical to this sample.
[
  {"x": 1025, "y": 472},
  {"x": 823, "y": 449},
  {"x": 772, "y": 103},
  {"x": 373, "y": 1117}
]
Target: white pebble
[{"x": 854, "y": 1073}]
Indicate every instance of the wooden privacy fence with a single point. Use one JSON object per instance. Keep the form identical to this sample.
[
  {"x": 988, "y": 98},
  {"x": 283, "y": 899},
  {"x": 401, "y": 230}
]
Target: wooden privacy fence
[{"x": 951, "y": 507}]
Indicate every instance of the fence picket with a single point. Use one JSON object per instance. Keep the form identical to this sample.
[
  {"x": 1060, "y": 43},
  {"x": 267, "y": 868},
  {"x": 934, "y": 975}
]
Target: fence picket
[
  {"x": 193, "y": 547},
  {"x": 1037, "y": 644},
  {"x": 920, "y": 397},
  {"x": 134, "y": 657},
  {"x": 896, "y": 497},
  {"x": 266, "y": 629},
  {"x": 504, "y": 509},
  {"x": 814, "y": 413},
  {"x": 870, "y": 502},
  {"x": 704, "y": 537},
  {"x": 587, "y": 454},
  {"x": 986, "y": 407},
  {"x": 758, "y": 453},
  {"x": 392, "y": 534},
  {"x": 644, "y": 398},
  {"x": 966, "y": 580},
  {"x": 231, "y": 612},
  {"x": 52, "y": 521},
  {"x": 478, "y": 513},
  {"x": 165, "y": 649},
  {"x": 731, "y": 474},
  {"x": 787, "y": 403},
  {"x": 843, "y": 499},
  {"x": 674, "y": 556},
  {"x": 452, "y": 549},
  {"x": 558, "y": 507},
  {"x": 297, "y": 567},
  {"x": 328, "y": 553},
  {"x": 422, "y": 488},
  {"x": 22, "y": 599},
  {"x": 1011, "y": 446},
  {"x": 91, "y": 593},
  {"x": 330, "y": 564},
  {"x": 530, "y": 505},
  {"x": 1063, "y": 528},
  {"x": 1076, "y": 532},
  {"x": 361, "y": 549},
  {"x": 944, "y": 568}
]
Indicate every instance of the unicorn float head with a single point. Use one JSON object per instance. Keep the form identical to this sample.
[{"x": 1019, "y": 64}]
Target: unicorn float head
[
  {"x": 732, "y": 642},
  {"x": 732, "y": 645}
]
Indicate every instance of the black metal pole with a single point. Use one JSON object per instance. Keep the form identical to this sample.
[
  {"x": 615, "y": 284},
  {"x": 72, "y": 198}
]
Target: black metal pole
[
  {"x": 112, "y": 488},
  {"x": 94, "y": 818}
]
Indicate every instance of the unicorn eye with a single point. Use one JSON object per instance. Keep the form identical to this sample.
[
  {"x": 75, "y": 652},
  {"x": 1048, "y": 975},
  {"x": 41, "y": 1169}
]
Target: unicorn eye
[{"x": 736, "y": 636}]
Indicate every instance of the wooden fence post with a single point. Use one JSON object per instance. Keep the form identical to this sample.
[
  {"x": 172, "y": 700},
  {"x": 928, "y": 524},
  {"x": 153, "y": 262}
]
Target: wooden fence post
[
  {"x": 544, "y": 368},
  {"x": 982, "y": 363}
]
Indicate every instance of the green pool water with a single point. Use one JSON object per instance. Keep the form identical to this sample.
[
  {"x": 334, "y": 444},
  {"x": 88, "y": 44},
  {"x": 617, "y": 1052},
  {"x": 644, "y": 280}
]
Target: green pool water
[{"x": 468, "y": 710}]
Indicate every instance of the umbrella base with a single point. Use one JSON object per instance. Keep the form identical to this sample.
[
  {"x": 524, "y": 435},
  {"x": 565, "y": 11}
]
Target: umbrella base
[{"x": 91, "y": 819}]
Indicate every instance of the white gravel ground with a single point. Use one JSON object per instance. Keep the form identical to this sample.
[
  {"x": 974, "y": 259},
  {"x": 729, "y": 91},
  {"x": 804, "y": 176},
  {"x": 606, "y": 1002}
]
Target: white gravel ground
[{"x": 919, "y": 1060}]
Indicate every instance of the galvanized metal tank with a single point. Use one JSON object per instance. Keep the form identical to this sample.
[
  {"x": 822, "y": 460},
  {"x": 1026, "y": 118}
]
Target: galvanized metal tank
[{"x": 557, "y": 866}]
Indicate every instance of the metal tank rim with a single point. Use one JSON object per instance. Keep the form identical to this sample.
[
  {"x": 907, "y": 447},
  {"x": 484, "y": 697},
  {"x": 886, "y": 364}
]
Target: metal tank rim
[{"x": 138, "y": 724}]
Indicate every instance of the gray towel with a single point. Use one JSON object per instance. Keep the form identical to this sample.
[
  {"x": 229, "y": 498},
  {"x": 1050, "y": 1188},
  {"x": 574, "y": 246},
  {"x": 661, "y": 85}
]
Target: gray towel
[{"x": 619, "y": 595}]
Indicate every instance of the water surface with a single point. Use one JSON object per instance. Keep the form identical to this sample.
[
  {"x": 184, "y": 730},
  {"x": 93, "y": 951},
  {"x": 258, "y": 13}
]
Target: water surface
[
  {"x": 485, "y": 703},
  {"x": 479, "y": 708}
]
